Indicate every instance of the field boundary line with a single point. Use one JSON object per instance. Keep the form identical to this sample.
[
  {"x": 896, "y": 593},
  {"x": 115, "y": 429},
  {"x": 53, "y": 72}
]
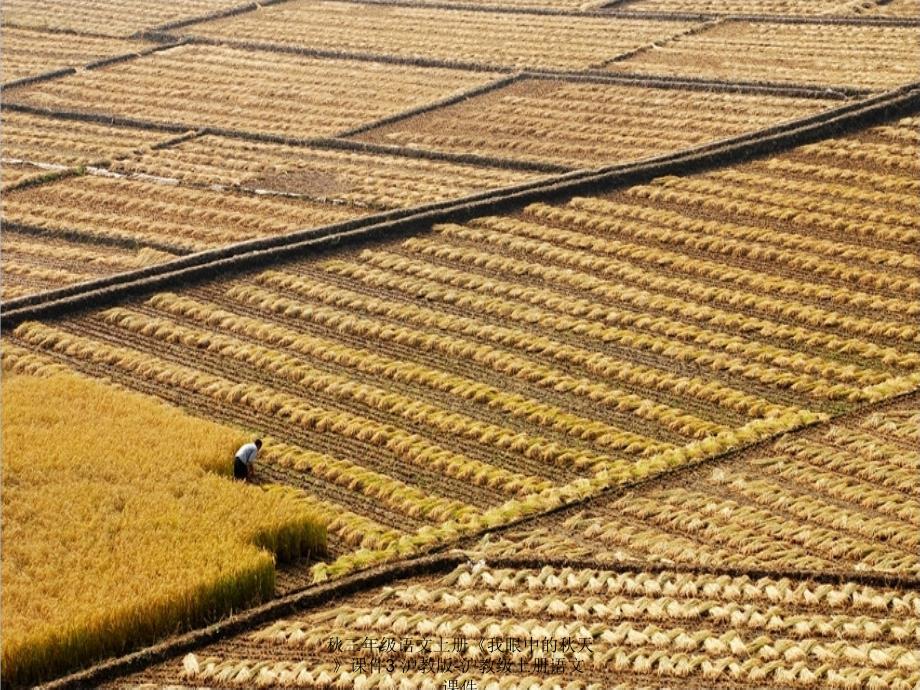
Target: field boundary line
[
  {"x": 480, "y": 90},
  {"x": 691, "y": 31},
  {"x": 359, "y": 56},
  {"x": 469, "y": 541},
  {"x": 593, "y": 74},
  {"x": 447, "y": 156},
  {"x": 113, "y": 120},
  {"x": 595, "y": 12},
  {"x": 38, "y": 78},
  {"x": 609, "y": 11},
  {"x": 256, "y": 253},
  {"x": 829, "y": 20},
  {"x": 209, "y": 17},
  {"x": 93, "y": 65},
  {"x": 314, "y": 595},
  {"x": 663, "y": 81},
  {"x": 63, "y": 30},
  {"x": 56, "y": 172},
  {"x": 127, "y": 57},
  {"x": 83, "y": 238}
]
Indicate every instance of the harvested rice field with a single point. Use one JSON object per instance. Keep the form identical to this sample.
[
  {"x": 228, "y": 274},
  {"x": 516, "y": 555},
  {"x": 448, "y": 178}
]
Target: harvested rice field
[
  {"x": 488, "y": 39},
  {"x": 30, "y": 53},
  {"x": 107, "y": 17},
  {"x": 558, "y": 5},
  {"x": 503, "y": 624},
  {"x": 195, "y": 86},
  {"x": 872, "y": 57},
  {"x": 148, "y": 205},
  {"x": 33, "y": 264},
  {"x": 353, "y": 178},
  {"x": 581, "y": 341},
  {"x": 901, "y": 9},
  {"x": 583, "y": 124},
  {"x": 600, "y": 339},
  {"x": 782, "y": 8},
  {"x": 136, "y": 213},
  {"x": 841, "y": 498},
  {"x": 36, "y": 145}
]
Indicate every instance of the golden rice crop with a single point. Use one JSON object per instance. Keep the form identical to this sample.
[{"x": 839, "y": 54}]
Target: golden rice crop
[{"x": 117, "y": 528}]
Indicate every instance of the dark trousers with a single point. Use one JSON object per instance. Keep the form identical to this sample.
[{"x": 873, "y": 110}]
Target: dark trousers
[{"x": 240, "y": 471}]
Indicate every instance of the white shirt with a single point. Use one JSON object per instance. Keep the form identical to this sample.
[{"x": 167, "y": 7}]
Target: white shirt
[{"x": 247, "y": 453}]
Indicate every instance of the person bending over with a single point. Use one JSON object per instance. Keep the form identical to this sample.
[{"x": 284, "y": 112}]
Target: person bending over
[{"x": 244, "y": 462}]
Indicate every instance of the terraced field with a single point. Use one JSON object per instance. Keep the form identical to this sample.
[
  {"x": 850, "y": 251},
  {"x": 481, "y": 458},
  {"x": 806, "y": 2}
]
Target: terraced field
[
  {"x": 514, "y": 627},
  {"x": 107, "y": 17},
  {"x": 841, "y": 498},
  {"x": 595, "y": 341},
  {"x": 34, "y": 145},
  {"x": 151, "y": 204},
  {"x": 33, "y": 264},
  {"x": 374, "y": 182},
  {"x": 874, "y": 57},
  {"x": 707, "y": 358},
  {"x": 138, "y": 213},
  {"x": 784, "y": 8},
  {"x": 206, "y": 86},
  {"x": 28, "y": 53},
  {"x": 907, "y": 9},
  {"x": 580, "y": 124},
  {"x": 566, "y": 5},
  {"x": 491, "y": 40}
]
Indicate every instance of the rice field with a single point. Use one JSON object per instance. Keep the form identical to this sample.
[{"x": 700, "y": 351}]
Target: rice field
[
  {"x": 107, "y": 17},
  {"x": 361, "y": 180},
  {"x": 136, "y": 213},
  {"x": 117, "y": 525},
  {"x": 873, "y": 57},
  {"x": 33, "y": 264},
  {"x": 194, "y": 86},
  {"x": 706, "y": 366},
  {"x": 783, "y": 8},
  {"x": 147, "y": 204},
  {"x": 901, "y": 9},
  {"x": 34, "y": 145},
  {"x": 841, "y": 498},
  {"x": 580, "y": 124},
  {"x": 513, "y": 360},
  {"x": 491, "y": 40},
  {"x": 576, "y": 627},
  {"x": 29, "y": 53}
]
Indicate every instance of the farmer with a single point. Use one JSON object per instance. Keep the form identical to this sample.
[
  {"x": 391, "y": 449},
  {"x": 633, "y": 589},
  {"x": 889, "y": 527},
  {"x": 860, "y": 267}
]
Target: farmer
[{"x": 245, "y": 459}]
